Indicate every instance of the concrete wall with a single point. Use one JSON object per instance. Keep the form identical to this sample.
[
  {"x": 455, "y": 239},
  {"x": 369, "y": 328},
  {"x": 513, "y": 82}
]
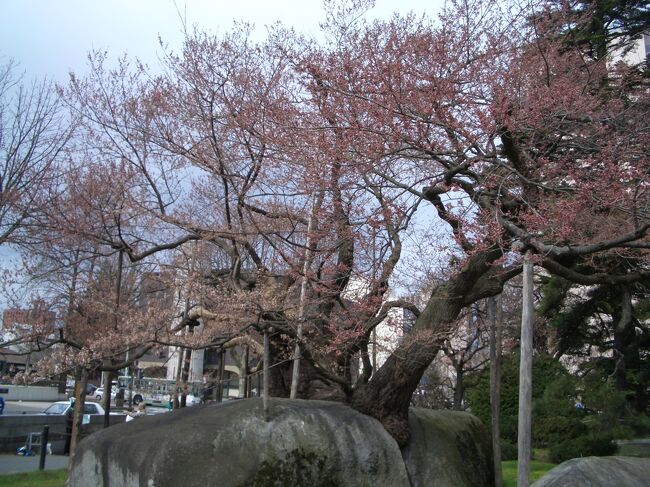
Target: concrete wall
[
  {"x": 12, "y": 392},
  {"x": 15, "y": 429}
]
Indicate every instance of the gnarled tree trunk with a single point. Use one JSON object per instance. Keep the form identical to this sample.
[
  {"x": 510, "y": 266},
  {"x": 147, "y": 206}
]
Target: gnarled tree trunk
[{"x": 388, "y": 394}]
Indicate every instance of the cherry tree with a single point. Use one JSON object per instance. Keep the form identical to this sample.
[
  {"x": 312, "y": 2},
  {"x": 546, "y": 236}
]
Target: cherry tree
[
  {"x": 518, "y": 140},
  {"x": 279, "y": 180}
]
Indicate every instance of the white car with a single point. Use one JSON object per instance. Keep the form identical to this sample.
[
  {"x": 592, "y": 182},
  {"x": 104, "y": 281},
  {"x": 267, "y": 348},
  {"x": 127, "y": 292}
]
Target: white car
[
  {"x": 99, "y": 393},
  {"x": 61, "y": 408},
  {"x": 192, "y": 400}
]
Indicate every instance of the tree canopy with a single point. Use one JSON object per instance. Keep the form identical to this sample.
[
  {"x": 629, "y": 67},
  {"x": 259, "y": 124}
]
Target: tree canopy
[{"x": 246, "y": 169}]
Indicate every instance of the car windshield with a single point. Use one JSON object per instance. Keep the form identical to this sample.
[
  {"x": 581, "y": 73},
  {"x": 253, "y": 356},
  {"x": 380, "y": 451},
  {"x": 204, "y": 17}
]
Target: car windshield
[{"x": 59, "y": 408}]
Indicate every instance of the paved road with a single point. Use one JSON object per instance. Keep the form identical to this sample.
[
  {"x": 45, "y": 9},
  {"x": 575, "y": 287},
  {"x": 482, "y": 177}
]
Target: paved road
[
  {"x": 16, "y": 464},
  {"x": 34, "y": 407},
  {"x": 26, "y": 407}
]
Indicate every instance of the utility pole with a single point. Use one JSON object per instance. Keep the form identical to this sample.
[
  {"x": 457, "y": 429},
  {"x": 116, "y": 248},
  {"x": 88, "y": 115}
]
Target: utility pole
[{"x": 525, "y": 376}]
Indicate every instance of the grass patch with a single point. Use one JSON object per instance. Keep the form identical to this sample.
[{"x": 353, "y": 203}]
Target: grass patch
[
  {"x": 47, "y": 478},
  {"x": 541, "y": 455},
  {"x": 57, "y": 478},
  {"x": 537, "y": 469}
]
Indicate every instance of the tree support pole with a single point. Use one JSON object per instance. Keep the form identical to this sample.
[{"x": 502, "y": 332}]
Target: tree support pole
[
  {"x": 495, "y": 317},
  {"x": 295, "y": 374},
  {"x": 246, "y": 378},
  {"x": 222, "y": 366},
  {"x": 265, "y": 390},
  {"x": 525, "y": 377}
]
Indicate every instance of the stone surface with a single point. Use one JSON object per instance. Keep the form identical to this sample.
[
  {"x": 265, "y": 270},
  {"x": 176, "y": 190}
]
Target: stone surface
[
  {"x": 448, "y": 448},
  {"x": 305, "y": 443},
  {"x": 599, "y": 472}
]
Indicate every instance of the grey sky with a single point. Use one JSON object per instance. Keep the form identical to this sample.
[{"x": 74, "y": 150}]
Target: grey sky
[{"x": 52, "y": 37}]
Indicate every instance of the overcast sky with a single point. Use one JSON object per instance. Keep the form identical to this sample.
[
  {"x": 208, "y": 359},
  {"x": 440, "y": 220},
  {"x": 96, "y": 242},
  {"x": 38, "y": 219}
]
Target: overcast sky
[{"x": 52, "y": 37}]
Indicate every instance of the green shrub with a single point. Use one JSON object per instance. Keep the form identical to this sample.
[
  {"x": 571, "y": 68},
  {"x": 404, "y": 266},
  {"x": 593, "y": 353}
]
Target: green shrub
[
  {"x": 547, "y": 371},
  {"x": 508, "y": 451},
  {"x": 557, "y": 424},
  {"x": 595, "y": 444},
  {"x": 555, "y": 417},
  {"x": 550, "y": 430}
]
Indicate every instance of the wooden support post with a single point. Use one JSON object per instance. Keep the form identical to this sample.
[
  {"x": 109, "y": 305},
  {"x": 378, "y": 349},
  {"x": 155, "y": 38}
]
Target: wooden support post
[
  {"x": 295, "y": 375},
  {"x": 45, "y": 437},
  {"x": 495, "y": 317},
  {"x": 246, "y": 382},
  {"x": 222, "y": 366},
  {"x": 265, "y": 390},
  {"x": 525, "y": 376}
]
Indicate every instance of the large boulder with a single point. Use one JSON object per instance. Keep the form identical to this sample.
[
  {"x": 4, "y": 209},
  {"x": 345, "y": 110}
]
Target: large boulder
[
  {"x": 304, "y": 443},
  {"x": 448, "y": 448},
  {"x": 598, "y": 472}
]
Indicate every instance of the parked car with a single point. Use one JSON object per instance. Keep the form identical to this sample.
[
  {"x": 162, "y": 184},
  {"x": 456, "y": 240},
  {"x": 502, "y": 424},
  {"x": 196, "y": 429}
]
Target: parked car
[
  {"x": 192, "y": 400},
  {"x": 90, "y": 389},
  {"x": 61, "y": 408},
  {"x": 99, "y": 393}
]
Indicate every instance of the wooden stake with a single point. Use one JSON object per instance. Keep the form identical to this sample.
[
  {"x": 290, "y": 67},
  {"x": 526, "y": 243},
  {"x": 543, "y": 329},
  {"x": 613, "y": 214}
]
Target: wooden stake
[
  {"x": 265, "y": 390},
  {"x": 295, "y": 374},
  {"x": 525, "y": 376},
  {"x": 495, "y": 318}
]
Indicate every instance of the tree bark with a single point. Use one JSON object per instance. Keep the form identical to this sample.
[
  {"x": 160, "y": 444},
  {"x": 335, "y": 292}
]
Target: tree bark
[
  {"x": 525, "y": 377},
  {"x": 627, "y": 357},
  {"x": 459, "y": 389},
  {"x": 279, "y": 374},
  {"x": 78, "y": 412},
  {"x": 106, "y": 400},
  {"x": 387, "y": 394},
  {"x": 116, "y": 317},
  {"x": 185, "y": 376}
]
